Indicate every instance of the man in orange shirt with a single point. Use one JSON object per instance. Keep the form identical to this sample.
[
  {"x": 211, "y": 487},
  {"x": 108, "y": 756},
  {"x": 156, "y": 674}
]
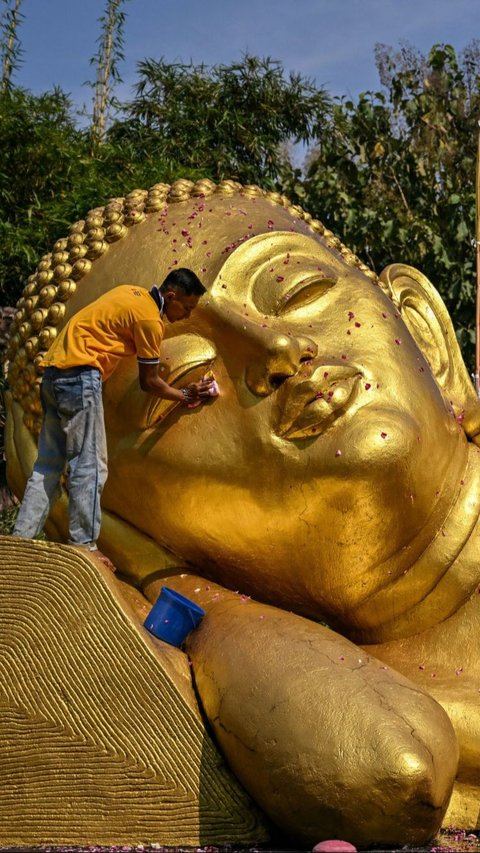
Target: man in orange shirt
[{"x": 125, "y": 321}]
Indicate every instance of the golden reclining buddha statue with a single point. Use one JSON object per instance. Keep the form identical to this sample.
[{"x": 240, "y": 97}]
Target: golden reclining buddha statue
[{"x": 335, "y": 482}]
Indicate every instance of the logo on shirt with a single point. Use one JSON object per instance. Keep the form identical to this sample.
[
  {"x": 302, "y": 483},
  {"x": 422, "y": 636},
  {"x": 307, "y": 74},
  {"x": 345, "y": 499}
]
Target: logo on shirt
[{"x": 136, "y": 292}]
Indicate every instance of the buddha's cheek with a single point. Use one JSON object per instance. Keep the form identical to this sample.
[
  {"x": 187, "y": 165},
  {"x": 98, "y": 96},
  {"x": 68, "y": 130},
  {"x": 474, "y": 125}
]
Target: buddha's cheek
[
  {"x": 383, "y": 495},
  {"x": 401, "y": 465}
]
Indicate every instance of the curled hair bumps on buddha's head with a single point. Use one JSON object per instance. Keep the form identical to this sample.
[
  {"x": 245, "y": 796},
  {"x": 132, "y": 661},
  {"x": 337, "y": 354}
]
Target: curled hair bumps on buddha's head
[
  {"x": 59, "y": 274},
  {"x": 185, "y": 280},
  {"x": 65, "y": 271}
]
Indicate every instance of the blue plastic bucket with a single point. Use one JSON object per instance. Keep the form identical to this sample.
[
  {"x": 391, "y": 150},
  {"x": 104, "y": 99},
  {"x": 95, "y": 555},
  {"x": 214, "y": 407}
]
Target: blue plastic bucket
[{"x": 173, "y": 616}]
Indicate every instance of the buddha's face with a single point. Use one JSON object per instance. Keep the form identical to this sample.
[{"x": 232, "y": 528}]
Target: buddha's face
[{"x": 327, "y": 463}]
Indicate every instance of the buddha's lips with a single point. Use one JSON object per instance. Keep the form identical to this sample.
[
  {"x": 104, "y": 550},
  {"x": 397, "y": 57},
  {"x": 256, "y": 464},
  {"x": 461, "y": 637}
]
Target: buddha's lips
[{"x": 316, "y": 397}]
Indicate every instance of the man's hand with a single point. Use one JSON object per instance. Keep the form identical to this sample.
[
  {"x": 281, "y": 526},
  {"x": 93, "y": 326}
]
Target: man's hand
[
  {"x": 198, "y": 391},
  {"x": 193, "y": 394}
]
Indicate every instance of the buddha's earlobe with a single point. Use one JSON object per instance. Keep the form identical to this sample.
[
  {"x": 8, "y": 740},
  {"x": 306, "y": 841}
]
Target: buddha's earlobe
[{"x": 424, "y": 313}]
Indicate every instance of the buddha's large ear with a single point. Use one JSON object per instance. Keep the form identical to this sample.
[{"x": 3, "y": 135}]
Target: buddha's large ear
[{"x": 423, "y": 311}]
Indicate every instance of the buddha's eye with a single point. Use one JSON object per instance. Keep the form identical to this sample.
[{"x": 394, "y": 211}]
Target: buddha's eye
[{"x": 304, "y": 293}]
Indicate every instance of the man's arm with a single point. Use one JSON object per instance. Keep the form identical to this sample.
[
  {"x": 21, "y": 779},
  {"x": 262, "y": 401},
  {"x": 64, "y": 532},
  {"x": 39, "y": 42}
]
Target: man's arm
[{"x": 152, "y": 383}]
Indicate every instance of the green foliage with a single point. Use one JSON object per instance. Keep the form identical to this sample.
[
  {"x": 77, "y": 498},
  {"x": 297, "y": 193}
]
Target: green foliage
[
  {"x": 395, "y": 178},
  {"x": 227, "y": 121},
  {"x": 187, "y": 121},
  {"x": 39, "y": 150},
  {"x": 10, "y": 49},
  {"x": 393, "y": 172},
  {"x": 48, "y": 179},
  {"x": 8, "y": 516},
  {"x": 106, "y": 62}
]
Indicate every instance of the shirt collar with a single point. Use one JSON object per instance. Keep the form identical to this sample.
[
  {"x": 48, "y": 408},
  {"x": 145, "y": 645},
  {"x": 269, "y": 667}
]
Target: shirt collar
[{"x": 157, "y": 298}]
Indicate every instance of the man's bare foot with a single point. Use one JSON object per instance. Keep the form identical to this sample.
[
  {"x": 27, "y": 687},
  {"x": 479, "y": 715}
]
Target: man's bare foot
[
  {"x": 99, "y": 555},
  {"x": 105, "y": 560}
]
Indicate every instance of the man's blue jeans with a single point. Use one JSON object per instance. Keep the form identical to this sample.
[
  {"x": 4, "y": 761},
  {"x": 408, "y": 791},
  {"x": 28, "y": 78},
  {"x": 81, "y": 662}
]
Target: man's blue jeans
[{"x": 73, "y": 434}]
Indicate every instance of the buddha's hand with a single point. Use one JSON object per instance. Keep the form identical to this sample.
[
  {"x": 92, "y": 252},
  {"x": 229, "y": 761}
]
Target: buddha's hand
[{"x": 321, "y": 734}]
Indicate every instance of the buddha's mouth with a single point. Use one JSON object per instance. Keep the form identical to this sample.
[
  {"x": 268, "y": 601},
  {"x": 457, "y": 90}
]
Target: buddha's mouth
[{"x": 312, "y": 403}]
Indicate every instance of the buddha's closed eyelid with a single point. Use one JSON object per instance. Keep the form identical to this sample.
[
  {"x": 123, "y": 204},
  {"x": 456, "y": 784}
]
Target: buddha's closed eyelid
[{"x": 304, "y": 293}]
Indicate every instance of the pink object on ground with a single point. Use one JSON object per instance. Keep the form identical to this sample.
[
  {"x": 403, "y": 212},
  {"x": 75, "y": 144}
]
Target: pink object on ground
[{"x": 334, "y": 846}]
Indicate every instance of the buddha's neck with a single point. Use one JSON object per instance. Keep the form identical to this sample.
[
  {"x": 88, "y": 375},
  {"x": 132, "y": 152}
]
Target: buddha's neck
[{"x": 440, "y": 580}]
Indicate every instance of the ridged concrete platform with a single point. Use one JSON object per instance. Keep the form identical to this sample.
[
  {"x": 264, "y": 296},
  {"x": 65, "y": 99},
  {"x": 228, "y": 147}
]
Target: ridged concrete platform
[{"x": 101, "y": 740}]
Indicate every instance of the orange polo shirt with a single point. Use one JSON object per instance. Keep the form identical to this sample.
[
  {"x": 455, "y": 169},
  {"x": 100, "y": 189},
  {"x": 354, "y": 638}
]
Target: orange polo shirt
[{"x": 124, "y": 321}]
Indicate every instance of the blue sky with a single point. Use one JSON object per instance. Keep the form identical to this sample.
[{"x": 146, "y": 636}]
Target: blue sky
[{"x": 330, "y": 41}]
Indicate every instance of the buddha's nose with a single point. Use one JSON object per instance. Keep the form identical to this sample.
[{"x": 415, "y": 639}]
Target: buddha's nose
[{"x": 282, "y": 358}]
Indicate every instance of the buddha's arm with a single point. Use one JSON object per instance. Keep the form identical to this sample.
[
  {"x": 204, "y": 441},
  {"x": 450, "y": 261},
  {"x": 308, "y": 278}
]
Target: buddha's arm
[{"x": 322, "y": 735}]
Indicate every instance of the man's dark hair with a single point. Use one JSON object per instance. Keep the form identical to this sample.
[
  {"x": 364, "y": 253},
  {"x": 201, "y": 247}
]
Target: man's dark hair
[{"x": 185, "y": 280}]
